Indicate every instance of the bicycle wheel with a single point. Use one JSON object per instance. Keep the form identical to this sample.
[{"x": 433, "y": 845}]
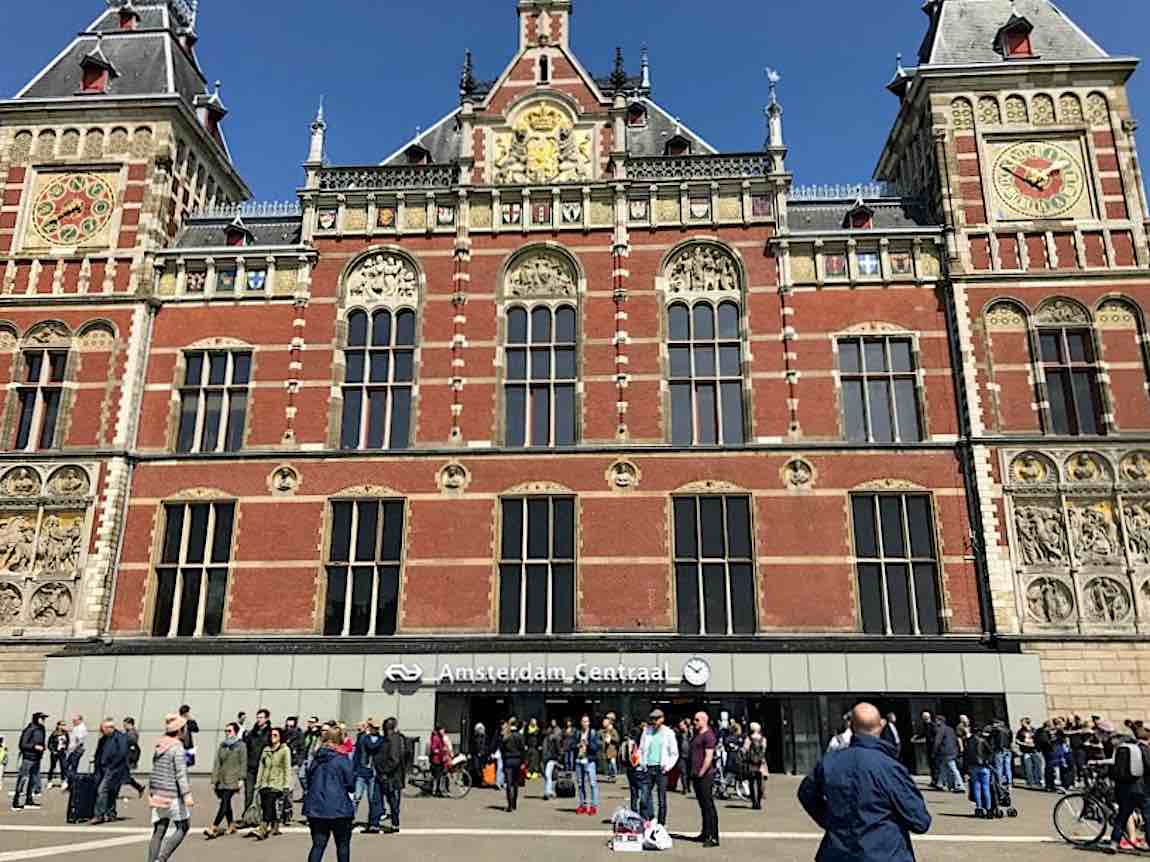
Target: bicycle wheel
[
  {"x": 1080, "y": 819},
  {"x": 418, "y": 784},
  {"x": 459, "y": 784}
]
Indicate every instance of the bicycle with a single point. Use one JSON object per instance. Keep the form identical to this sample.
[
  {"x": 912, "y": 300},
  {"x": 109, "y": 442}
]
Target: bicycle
[
  {"x": 457, "y": 779},
  {"x": 1086, "y": 817}
]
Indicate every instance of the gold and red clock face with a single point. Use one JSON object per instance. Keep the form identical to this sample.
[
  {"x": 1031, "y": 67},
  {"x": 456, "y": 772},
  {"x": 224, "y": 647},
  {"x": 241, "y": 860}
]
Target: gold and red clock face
[
  {"x": 1040, "y": 180},
  {"x": 73, "y": 209}
]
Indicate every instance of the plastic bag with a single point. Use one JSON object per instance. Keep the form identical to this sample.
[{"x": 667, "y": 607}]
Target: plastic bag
[
  {"x": 627, "y": 822},
  {"x": 656, "y": 837}
]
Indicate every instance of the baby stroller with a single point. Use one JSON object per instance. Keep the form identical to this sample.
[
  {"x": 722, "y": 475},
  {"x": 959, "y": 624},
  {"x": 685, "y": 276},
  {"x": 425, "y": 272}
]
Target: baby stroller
[{"x": 1001, "y": 803}]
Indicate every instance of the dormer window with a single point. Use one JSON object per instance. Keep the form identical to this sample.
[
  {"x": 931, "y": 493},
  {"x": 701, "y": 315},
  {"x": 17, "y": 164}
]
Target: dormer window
[
  {"x": 544, "y": 69},
  {"x": 238, "y": 234},
  {"x": 636, "y": 116},
  {"x": 417, "y": 155},
  {"x": 1013, "y": 40},
  {"x": 129, "y": 17},
  {"x": 677, "y": 145},
  {"x": 97, "y": 71},
  {"x": 859, "y": 217}
]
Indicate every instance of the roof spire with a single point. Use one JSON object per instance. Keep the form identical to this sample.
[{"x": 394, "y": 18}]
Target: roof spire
[
  {"x": 899, "y": 71},
  {"x": 619, "y": 76},
  {"x": 645, "y": 66},
  {"x": 318, "y": 136},
  {"x": 774, "y": 115},
  {"x": 467, "y": 79}
]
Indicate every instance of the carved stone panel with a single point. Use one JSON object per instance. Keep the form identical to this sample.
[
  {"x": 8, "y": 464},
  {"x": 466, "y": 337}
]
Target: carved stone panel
[
  {"x": 702, "y": 268},
  {"x": 51, "y": 605},
  {"x": 541, "y": 274},
  {"x": 1032, "y": 469},
  {"x": 69, "y": 482},
  {"x": 58, "y": 551},
  {"x": 1106, "y": 601},
  {"x": 1087, "y": 468},
  {"x": 1136, "y": 467},
  {"x": 384, "y": 278},
  {"x": 1041, "y": 535},
  {"x": 1049, "y": 601},
  {"x": 1137, "y": 517},
  {"x": 1062, "y": 311},
  {"x": 18, "y": 542},
  {"x": 542, "y": 146},
  {"x": 1094, "y": 533},
  {"x": 20, "y": 482},
  {"x": 11, "y": 604}
]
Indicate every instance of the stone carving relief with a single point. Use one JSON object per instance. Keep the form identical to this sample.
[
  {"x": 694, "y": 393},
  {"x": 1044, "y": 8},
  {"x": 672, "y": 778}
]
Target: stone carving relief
[
  {"x": 1116, "y": 314},
  {"x": 623, "y": 476},
  {"x": 1097, "y": 110},
  {"x": 1062, "y": 311},
  {"x": 1070, "y": 106},
  {"x": 69, "y": 482},
  {"x": 18, "y": 543},
  {"x": 1041, "y": 536},
  {"x": 988, "y": 111},
  {"x": 541, "y": 274},
  {"x": 1016, "y": 110},
  {"x": 963, "y": 114},
  {"x": 1106, "y": 601},
  {"x": 1138, "y": 530},
  {"x": 49, "y": 333},
  {"x": 1043, "y": 110},
  {"x": 702, "y": 268},
  {"x": 798, "y": 473},
  {"x": 284, "y": 481},
  {"x": 1030, "y": 469},
  {"x": 51, "y": 605},
  {"x": 1136, "y": 467},
  {"x": 58, "y": 552},
  {"x": 1085, "y": 467},
  {"x": 1005, "y": 315},
  {"x": 20, "y": 482},
  {"x": 542, "y": 146},
  {"x": 11, "y": 603},
  {"x": 453, "y": 478},
  {"x": 1049, "y": 601},
  {"x": 384, "y": 278},
  {"x": 1094, "y": 534}
]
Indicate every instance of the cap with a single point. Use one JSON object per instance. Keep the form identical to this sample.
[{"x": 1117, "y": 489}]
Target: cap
[
  {"x": 314, "y": 719},
  {"x": 656, "y": 713},
  {"x": 36, "y": 716},
  {"x": 1106, "y": 726}
]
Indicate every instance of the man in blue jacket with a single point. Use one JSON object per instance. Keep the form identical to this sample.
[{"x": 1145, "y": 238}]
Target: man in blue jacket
[
  {"x": 111, "y": 770},
  {"x": 864, "y": 798}
]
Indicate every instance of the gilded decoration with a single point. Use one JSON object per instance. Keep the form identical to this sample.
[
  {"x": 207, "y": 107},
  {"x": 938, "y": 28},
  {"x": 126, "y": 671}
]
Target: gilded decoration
[
  {"x": 1016, "y": 112},
  {"x": 355, "y": 220},
  {"x": 1070, "y": 106},
  {"x": 1041, "y": 535},
  {"x": 988, "y": 111},
  {"x": 1106, "y": 601},
  {"x": 1030, "y": 469},
  {"x": 730, "y": 208},
  {"x": 1044, "y": 110},
  {"x": 929, "y": 262},
  {"x": 480, "y": 214},
  {"x": 1094, "y": 533},
  {"x": 1136, "y": 467},
  {"x": 540, "y": 274},
  {"x": 542, "y": 146},
  {"x": 1084, "y": 467},
  {"x": 415, "y": 218},
  {"x": 1116, "y": 314},
  {"x": 1005, "y": 316},
  {"x": 384, "y": 278},
  {"x": 668, "y": 210},
  {"x": 286, "y": 282},
  {"x": 702, "y": 268},
  {"x": 962, "y": 113},
  {"x": 1097, "y": 110},
  {"x": 602, "y": 213},
  {"x": 802, "y": 267},
  {"x": 1049, "y": 601}
]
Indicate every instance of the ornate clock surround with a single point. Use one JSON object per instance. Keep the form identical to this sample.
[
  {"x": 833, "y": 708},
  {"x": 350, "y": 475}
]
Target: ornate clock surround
[
  {"x": 1041, "y": 175},
  {"x": 44, "y": 179}
]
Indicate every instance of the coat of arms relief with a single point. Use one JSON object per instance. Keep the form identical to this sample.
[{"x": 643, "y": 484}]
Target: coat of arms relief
[{"x": 542, "y": 146}]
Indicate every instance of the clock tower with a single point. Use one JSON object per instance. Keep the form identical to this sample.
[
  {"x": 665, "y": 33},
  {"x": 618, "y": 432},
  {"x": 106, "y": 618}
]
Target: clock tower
[{"x": 103, "y": 154}]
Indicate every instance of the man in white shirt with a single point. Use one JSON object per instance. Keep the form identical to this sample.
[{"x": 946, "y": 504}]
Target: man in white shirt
[
  {"x": 842, "y": 740},
  {"x": 658, "y": 755},
  {"x": 76, "y": 737}
]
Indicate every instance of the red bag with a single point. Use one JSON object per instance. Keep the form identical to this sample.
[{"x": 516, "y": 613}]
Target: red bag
[{"x": 522, "y": 774}]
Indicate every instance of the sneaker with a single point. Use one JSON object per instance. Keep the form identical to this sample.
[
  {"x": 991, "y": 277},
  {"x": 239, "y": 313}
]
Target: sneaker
[
  {"x": 582, "y": 809},
  {"x": 1125, "y": 844},
  {"x": 593, "y": 810},
  {"x": 34, "y": 804}
]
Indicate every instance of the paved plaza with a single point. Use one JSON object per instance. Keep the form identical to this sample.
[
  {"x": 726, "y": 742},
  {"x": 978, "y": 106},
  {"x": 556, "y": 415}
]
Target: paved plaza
[{"x": 477, "y": 829}]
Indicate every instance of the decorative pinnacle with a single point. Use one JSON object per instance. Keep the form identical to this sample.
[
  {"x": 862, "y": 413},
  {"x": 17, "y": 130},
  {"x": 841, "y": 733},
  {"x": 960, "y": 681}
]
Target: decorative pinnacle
[
  {"x": 899, "y": 71},
  {"x": 645, "y": 67},
  {"x": 467, "y": 78},
  {"x": 773, "y": 78},
  {"x": 619, "y": 76},
  {"x": 319, "y": 122}
]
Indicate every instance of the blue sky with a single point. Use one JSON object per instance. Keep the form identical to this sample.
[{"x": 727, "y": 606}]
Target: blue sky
[{"x": 388, "y": 66}]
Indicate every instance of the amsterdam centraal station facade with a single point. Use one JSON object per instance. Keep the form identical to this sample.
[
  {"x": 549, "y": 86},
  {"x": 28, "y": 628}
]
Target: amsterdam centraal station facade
[{"x": 558, "y": 409}]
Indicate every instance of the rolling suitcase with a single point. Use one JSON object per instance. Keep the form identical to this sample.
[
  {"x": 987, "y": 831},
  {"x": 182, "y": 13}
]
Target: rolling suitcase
[
  {"x": 81, "y": 798},
  {"x": 565, "y": 785}
]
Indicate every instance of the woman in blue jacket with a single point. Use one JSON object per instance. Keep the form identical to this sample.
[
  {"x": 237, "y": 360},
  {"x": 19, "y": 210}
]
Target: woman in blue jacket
[
  {"x": 585, "y": 745},
  {"x": 328, "y": 806}
]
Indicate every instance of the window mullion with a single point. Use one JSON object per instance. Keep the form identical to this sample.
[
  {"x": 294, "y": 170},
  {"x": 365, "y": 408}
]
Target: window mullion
[
  {"x": 697, "y": 503},
  {"x": 372, "y": 610},
  {"x": 202, "y": 603},
  {"x": 910, "y": 556},
  {"x": 526, "y": 529},
  {"x": 353, "y": 550},
  {"x": 727, "y": 569}
]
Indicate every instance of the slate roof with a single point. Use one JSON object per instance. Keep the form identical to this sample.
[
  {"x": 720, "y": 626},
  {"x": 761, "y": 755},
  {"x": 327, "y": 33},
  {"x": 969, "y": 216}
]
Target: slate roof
[
  {"x": 150, "y": 60},
  {"x": 210, "y": 232},
  {"x": 963, "y": 32},
  {"x": 829, "y": 215}
]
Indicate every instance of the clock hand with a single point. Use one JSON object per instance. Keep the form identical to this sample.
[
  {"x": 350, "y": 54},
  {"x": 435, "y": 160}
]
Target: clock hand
[
  {"x": 1024, "y": 177},
  {"x": 73, "y": 207},
  {"x": 1045, "y": 175}
]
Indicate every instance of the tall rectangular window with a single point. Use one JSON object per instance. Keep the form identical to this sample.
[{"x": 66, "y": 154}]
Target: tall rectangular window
[
  {"x": 379, "y": 380},
  {"x": 40, "y": 394},
  {"x": 879, "y": 390},
  {"x": 706, "y": 374},
  {"x": 537, "y": 566},
  {"x": 1072, "y": 386},
  {"x": 214, "y": 401},
  {"x": 714, "y": 566},
  {"x": 363, "y": 566},
  {"x": 192, "y": 577},
  {"x": 897, "y": 564},
  {"x": 539, "y": 391}
]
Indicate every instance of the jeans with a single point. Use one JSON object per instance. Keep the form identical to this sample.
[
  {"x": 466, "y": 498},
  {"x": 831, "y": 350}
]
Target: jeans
[
  {"x": 1004, "y": 767},
  {"x": 585, "y": 775},
  {"x": 755, "y": 780},
  {"x": 980, "y": 785},
  {"x": 224, "y": 812},
  {"x": 1130, "y": 800},
  {"x": 549, "y": 779},
  {"x": 652, "y": 778},
  {"x": 56, "y": 761},
  {"x": 438, "y": 779},
  {"x": 322, "y": 831},
  {"x": 511, "y": 770},
  {"x": 270, "y": 805},
  {"x": 26, "y": 778},
  {"x": 684, "y": 776},
  {"x": 949, "y": 775},
  {"x": 393, "y": 796},
  {"x": 365, "y": 785},
  {"x": 167, "y": 835},
  {"x": 1034, "y": 765},
  {"x": 612, "y": 768},
  {"x": 704, "y": 795},
  {"x": 107, "y": 791}
]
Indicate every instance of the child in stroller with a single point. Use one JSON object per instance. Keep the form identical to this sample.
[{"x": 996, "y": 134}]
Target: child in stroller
[{"x": 988, "y": 789}]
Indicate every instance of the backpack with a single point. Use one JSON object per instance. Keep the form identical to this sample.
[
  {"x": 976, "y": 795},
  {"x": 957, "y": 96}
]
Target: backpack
[
  {"x": 757, "y": 753},
  {"x": 1128, "y": 764}
]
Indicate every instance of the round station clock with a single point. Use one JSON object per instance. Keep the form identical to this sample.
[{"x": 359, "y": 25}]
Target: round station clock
[
  {"x": 1039, "y": 180},
  {"x": 73, "y": 208}
]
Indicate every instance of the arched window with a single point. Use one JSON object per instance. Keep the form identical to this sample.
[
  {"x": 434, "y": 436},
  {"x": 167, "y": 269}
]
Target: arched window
[
  {"x": 1069, "y": 366},
  {"x": 539, "y": 387},
  {"x": 706, "y": 373},
  {"x": 379, "y": 375},
  {"x": 43, "y": 371}
]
